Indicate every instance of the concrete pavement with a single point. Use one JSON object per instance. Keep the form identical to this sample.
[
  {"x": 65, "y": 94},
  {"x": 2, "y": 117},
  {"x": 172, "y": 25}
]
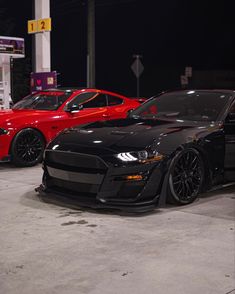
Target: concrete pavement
[{"x": 48, "y": 248}]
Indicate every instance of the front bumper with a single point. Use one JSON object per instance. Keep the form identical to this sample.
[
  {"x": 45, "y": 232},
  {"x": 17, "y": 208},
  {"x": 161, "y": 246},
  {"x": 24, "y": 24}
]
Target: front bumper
[
  {"x": 5, "y": 143},
  {"x": 83, "y": 201},
  {"x": 5, "y": 159},
  {"x": 90, "y": 181}
]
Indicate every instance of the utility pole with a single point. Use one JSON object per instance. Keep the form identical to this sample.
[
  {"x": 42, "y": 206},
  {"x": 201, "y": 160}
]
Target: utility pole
[{"x": 91, "y": 44}]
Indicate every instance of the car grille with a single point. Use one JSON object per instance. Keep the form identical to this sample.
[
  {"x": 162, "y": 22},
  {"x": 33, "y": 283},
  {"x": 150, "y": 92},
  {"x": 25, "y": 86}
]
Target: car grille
[
  {"x": 71, "y": 189},
  {"x": 74, "y": 173},
  {"x": 75, "y": 161}
]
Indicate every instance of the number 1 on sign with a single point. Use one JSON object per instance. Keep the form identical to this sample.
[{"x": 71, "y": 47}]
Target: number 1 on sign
[{"x": 32, "y": 26}]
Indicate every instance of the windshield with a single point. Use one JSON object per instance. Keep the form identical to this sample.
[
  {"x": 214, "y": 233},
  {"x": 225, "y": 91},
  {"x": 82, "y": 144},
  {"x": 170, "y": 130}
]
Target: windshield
[
  {"x": 191, "y": 105},
  {"x": 43, "y": 101}
]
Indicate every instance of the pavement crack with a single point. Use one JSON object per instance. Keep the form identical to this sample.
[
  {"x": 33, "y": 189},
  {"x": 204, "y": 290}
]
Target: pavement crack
[{"x": 81, "y": 222}]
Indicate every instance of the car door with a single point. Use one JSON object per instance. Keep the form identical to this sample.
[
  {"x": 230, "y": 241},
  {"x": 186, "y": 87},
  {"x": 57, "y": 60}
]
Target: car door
[
  {"x": 230, "y": 144},
  {"x": 87, "y": 107}
]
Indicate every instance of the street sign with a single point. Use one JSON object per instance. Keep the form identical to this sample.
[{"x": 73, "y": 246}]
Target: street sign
[{"x": 137, "y": 67}]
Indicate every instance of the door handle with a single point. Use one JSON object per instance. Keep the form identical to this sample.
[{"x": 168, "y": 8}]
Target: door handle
[{"x": 106, "y": 115}]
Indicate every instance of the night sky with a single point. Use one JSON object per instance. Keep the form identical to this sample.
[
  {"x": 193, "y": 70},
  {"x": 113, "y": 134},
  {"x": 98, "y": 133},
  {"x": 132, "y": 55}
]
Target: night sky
[{"x": 169, "y": 34}]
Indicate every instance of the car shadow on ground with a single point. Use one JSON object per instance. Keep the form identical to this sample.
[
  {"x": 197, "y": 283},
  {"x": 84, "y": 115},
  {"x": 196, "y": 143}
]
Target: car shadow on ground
[
  {"x": 8, "y": 167},
  {"x": 34, "y": 200}
]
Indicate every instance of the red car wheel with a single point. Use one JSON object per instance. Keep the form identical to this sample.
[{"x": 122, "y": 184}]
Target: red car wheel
[{"x": 27, "y": 147}]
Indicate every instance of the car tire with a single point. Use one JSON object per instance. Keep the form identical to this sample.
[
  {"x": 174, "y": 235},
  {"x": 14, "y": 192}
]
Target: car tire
[
  {"x": 27, "y": 148},
  {"x": 186, "y": 177}
]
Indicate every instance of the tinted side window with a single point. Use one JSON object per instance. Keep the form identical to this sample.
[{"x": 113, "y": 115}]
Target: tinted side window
[
  {"x": 112, "y": 100},
  {"x": 96, "y": 101},
  {"x": 81, "y": 98}
]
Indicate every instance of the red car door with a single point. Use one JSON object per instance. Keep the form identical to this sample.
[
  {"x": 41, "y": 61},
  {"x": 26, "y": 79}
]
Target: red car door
[{"x": 87, "y": 107}]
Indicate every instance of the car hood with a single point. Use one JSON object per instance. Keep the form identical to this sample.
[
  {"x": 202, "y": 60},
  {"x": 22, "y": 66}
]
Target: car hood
[
  {"x": 10, "y": 115},
  {"x": 128, "y": 135}
]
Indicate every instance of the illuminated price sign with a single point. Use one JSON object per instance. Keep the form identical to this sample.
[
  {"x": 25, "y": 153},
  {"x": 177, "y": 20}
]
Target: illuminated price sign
[{"x": 39, "y": 26}]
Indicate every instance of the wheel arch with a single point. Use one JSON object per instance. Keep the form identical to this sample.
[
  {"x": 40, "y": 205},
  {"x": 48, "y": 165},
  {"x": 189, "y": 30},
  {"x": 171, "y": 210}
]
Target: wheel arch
[
  {"x": 207, "y": 169},
  {"x": 206, "y": 162},
  {"x": 25, "y": 128}
]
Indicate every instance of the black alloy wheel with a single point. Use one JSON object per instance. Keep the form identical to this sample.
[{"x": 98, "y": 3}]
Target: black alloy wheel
[
  {"x": 27, "y": 148},
  {"x": 186, "y": 177}
]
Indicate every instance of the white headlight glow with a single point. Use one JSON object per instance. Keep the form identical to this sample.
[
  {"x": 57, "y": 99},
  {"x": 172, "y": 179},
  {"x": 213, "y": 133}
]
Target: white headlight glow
[{"x": 139, "y": 156}]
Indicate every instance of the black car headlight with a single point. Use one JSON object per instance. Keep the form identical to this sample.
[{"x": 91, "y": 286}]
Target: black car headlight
[
  {"x": 139, "y": 156},
  {"x": 3, "y": 131}
]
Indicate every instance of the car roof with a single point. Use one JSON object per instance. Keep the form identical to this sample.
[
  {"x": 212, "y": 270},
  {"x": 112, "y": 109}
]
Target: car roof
[
  {"x": 75, "y": 89},
  {"x": 227, "y": 91},
  {"x": 65, "y": 89}
]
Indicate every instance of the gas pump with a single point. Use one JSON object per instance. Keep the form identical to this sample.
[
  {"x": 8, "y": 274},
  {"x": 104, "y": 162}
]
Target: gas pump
[{"x": 10, "y": 47}]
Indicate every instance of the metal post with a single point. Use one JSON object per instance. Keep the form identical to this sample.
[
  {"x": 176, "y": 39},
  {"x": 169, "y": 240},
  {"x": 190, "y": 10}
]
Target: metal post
[
  {"x": 91, "y": 43},
  {"x": 138, "y": 77},
  {"x": 11, "y": 77},
  {"x": 33, "y": 41},
  {"x": 42, "y": 40},
  {"x": 6, "y": 73},
  {"x": 87, "y": 71}
]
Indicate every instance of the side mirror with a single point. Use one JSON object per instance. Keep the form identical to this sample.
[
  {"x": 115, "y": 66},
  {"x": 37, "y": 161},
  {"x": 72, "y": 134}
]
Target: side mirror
[
  {"x": 129, "y": 112},
  {"x": 73, "y": 108}
]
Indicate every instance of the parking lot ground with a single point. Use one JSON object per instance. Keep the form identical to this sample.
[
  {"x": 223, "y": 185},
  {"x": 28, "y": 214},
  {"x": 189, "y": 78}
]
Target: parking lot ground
[{"x": 50, "y": 248}]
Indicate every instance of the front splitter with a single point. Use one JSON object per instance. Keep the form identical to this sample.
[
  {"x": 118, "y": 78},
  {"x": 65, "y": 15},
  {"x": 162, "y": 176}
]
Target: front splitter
[{"x": 138, "y": 207}]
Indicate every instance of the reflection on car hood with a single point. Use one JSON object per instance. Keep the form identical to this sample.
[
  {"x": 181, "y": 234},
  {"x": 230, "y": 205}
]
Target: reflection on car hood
[
  {"x": 9, "y": 115},
  {"x": 122, "y": 135}
]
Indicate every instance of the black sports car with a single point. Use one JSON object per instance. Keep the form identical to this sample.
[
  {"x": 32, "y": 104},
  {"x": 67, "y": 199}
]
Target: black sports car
[{"x": 173, "y": 146}]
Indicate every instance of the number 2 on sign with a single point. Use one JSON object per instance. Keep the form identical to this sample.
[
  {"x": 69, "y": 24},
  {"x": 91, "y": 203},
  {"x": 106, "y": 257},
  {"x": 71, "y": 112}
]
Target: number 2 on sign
[{"x": 43, "y": 25}]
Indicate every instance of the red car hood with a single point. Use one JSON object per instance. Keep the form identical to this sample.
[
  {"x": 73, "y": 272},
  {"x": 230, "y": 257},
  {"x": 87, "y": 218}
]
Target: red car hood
[{"x": 10, "y": 115}]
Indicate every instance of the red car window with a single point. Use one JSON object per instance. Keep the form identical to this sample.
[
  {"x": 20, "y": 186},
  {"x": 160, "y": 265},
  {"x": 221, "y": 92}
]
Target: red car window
[
  {"x": 112, "y": 100},
  {"x": 98, "y": 101}
]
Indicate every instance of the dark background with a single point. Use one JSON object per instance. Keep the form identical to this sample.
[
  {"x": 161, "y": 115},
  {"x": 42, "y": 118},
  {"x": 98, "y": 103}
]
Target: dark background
[{"x": 169, "y": 34}]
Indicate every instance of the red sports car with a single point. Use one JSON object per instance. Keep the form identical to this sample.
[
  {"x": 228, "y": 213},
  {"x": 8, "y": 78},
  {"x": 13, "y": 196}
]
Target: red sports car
[{"x": 38, "y": 118}]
